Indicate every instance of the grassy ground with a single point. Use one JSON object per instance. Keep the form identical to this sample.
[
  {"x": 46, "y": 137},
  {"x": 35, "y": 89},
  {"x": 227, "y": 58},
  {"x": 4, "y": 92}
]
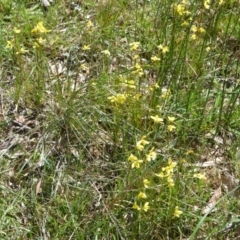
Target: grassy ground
[{"x": 119, "y": 119}]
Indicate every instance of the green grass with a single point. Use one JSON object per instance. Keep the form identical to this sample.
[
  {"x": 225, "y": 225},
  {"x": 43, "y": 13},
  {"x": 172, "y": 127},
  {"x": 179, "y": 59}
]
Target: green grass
[{"x": 111, "y": 111}]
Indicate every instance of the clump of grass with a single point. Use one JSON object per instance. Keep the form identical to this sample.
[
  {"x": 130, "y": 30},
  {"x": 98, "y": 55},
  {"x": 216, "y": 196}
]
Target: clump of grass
[{"x": 116, "y": 106}]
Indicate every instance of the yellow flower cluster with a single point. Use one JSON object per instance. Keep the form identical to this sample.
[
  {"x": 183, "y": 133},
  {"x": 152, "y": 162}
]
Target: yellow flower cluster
[
  {"x": 181, "y": 8},
  {"x": 38, "y": 29},
  {"x": 196, "y": 31},
  {"x": 118, "y": 98},
  {"x": 145, "y": 207},
  {"x": 137, "y": 70},
  {"x": 134, "y": 46},
  {"x": 177, "y": 212},
  {"x": 167, "y": 172},
  {"x": 150, "y": 156},
  {"x": 135, "y": 161}
]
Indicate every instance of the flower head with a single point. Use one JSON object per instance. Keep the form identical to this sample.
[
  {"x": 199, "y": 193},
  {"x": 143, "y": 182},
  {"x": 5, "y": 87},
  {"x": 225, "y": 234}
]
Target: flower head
[
  {"x": 106, "y": 52},
  {"x": 200, "y": 176},
  {"x": 151, "y": 155},
  {"x": 119, "y": 98},
  {"x": 156, "y": 119},
  {"x": 136, "y": 207},
  {"x": 177, "y": 212},
  {"x": 141, "y": 143},
  {"x": 146, "y": 183},
  {"x": 142, "y": 195},
  {"x": 9, "y": 44},
  {"x": 164, "y": 49},
  {"x": 206, "y": 4},
  {"x": 39, "y": 28},
  {"x": 171, "y": 119},
  {"x": 146, "y": 207},
  {"x": 134, "y": 46},
  {"x": 86, "y": 47},
  {"x": 171, "y": 128},
  {"x": 16, "y": 30},
  {"x": 155, "y": 59},
  {"x": 135, "y": 161},
  {"x": 21, "y": 51}
]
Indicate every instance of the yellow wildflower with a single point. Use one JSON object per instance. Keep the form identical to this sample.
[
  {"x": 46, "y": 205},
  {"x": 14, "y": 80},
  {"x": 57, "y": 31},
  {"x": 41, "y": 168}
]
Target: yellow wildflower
[
  {"x": 146, "y": 183},
  {"x": 21, "y": 51},
  {"x": 200, "y": 176},
  {"x": 106, "y": 52},
  {"x": 86, "y": 47},
  {"x": 16, "y": 30},
  {"x": 171, "y": 128},
  {"x": 142, "y": 195},
  {"x": 171, "y": 119},
  {"x": 134, "y": 46},
  {"x": 165, "y": 93},
  {"x": 39, "y": 28},
  {"x": 146, "y": 207},
  {"x": 141, "y": 143},
  {"x": 206, "y": 4},
  {"x": 161, "y": 174},
  {"x": 185, "y": 24},
  {"x": 136, "y": 164},
  {"x": 9, "y": 44},
  {"x": 136, "y": 207},
  {"x": 194, "y": 28},
  {"x": 135, "y": 57},
  {"x": 170, "y": 181},
  {"x": 177, "y": 212},
  {"x": 201, "y": 30},
  {"x": 89, "y": 24},
  {"x": 171, "y": 164},
  {"x": 155, "y": 59},
  {"x": 156, "y": 119},
  {"x": 193, "y": 36},
  {"x": 152, "y": 155},
  {"x": 180, "y": 9},
  {"x": 119, "y": 98},
  {"x": 164, "y": 49},
  {"x": 208, "y": 49}
]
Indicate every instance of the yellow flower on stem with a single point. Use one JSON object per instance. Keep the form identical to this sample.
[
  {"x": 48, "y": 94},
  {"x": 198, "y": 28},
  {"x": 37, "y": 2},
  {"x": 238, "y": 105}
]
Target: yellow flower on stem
[
  {"x": 146, "y": 183},
  {"x": 106, "y": 52},
  {"x": 142, "y": 195},
  {"x": 155, "y": 59},
  {"x": 151, "y": 155},
  {"x": 200, "y": 176},
  {"x": 171, "y": 119},
  {"x": 9, "y": 44},
  {"x": 21, "y": 51},
  {"x": 171, "y": 128},
  {"x": 141, "y": 143},
  {"x": 177, "y": 212},
  {"x": 86, "y": 47},
  {"x": 146, "y": 207},
  {"x": 39, "y": 28},
  {"x": 119, "y": 98},
  {"x": 16, "y": 30},
  {"x": 135, "y": 161},
  {"x": 206, "y": 4},
  {"x": 136, "y": 207},
  {"x": 136, "y": 164},
  {"x": 156, "y": 119},
  {"x": 164, "y": 49},
  {"x": 134, "y": 46}
]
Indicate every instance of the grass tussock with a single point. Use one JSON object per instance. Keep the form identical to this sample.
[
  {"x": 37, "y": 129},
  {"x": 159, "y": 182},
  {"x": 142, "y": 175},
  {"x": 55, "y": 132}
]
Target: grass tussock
[{"x": 119, "y": 119}]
